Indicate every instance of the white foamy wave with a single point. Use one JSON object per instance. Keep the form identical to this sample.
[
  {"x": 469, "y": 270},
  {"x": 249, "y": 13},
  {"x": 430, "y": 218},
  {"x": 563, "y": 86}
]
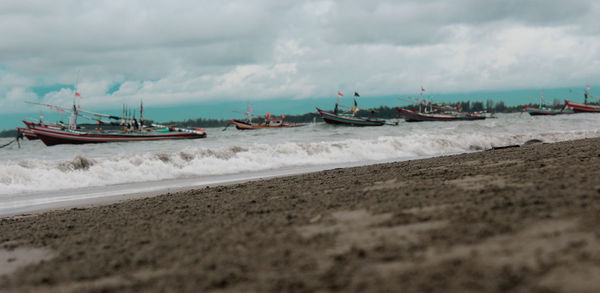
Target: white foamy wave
[{"x": 83, "y": 171}]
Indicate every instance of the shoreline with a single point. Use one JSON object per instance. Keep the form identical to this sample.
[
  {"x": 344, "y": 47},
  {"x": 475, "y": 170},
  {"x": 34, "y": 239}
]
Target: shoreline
[{"x": 518, "y": 219}]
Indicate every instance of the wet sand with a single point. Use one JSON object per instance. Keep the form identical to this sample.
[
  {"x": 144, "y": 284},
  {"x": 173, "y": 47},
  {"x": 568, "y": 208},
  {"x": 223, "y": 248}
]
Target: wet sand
[{"x": 521, "y": 219}]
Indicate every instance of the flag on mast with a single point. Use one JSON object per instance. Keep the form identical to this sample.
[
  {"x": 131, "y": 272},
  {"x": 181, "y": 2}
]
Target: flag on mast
[{"x": 340, "y": 94}]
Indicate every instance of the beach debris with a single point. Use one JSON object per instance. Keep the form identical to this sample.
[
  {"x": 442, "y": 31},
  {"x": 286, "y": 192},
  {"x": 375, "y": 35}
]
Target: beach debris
[
  {"x": 504, "y": 147},
  {"x": 315, "y": 218}
]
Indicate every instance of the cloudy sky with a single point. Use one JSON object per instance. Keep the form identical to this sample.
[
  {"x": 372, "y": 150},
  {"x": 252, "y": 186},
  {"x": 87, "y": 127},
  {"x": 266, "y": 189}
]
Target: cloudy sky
[{"x": 178, "y": 52}]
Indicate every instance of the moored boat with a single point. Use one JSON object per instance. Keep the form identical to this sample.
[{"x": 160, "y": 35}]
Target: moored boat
[
  {"x": 349, "y": 119},
  {"x": 129, "y": 129},
  {"x": 270, "y": 121},
  {"x": 586, "y": 107},
  {"x": 416, "y": 116},
  {"x": 52, "y": 136},
  {"x": 275, "y": 123},
  {"x": 582, "y": 108},
  {"x": 541, "y": 111}
]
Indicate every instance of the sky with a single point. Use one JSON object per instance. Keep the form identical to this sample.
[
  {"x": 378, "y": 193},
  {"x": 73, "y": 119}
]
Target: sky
[{"x": 178, "y": 53}]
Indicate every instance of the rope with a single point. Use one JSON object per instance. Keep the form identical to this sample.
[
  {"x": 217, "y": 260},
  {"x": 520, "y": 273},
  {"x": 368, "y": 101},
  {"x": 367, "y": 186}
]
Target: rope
[
  {"x": 17, "y": 138},
  {"x": 7, "y": 144}
]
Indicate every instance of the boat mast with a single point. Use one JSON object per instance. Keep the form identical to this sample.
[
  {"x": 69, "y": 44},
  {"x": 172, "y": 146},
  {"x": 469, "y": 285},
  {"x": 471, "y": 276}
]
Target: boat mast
[
  {"x": 141, "y": 115},
  {"x": 76, "y": 95}
]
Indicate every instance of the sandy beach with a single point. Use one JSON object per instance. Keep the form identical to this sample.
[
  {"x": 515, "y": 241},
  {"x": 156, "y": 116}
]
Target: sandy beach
[{"x": 519, "y": 219}]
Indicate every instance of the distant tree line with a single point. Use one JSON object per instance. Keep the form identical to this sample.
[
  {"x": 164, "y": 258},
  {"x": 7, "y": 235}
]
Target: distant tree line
[{"x": 380, "y": 112}]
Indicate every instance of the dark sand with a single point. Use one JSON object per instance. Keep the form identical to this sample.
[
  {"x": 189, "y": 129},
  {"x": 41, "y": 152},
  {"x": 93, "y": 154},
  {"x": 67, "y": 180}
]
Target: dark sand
[{"x": 519, "y": 219}]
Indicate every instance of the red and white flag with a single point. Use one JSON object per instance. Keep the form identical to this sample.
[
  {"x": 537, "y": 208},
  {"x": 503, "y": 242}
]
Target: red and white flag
[
  {"x": 77, "y": 94},
  {"x": 41, "y": 116},
  {"x": 588, "y": 87},
  {"x": 422, "y": 89},
  {"x": 340, "y": 94}
]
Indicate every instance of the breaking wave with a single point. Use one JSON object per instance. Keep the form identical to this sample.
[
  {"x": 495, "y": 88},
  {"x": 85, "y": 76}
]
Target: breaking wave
[{"x": 31, "y": 175}]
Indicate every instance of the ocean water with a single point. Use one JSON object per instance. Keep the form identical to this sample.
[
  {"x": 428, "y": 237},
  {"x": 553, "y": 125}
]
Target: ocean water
[{"x": 40, "y": 173}]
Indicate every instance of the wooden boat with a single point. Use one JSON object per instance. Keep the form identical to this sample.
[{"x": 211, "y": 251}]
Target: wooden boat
[
  {"x": 541, "y": 111},
  {"x": 349, "y": 119},
  {"x": 52, "y": 136},
  {"x": 582, "y": 108},
  {"x": 415, "y": 116},
  {"x": 274, "y": 123}
]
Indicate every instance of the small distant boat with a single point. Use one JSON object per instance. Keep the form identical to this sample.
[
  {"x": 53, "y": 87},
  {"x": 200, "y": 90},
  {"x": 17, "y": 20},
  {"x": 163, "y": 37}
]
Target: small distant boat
[
  {"x": 541, "y": 111},
  {"x": 349, "y": 119},
  {"x": 416, "y": 116},
  {"x": 430, "y": 111},
  {"x": 269, "y": 122},
  {"x": 275, "y": 123}
]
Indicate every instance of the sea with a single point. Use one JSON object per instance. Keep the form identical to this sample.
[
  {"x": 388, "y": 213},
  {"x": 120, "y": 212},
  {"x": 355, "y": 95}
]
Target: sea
[{"x": 36, "y": 177}]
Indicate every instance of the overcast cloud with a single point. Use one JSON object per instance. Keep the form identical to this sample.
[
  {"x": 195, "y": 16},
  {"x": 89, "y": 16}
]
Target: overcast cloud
[{"x": 169, "y": 52}]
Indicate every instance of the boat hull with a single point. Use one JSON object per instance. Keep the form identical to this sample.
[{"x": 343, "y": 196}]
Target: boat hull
[
  {"x": 413, "y": 116},
  {"x": 350, "y": 121},
  {"x": 50, "y": 136}
]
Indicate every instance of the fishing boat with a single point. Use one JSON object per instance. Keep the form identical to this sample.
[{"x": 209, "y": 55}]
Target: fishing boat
[
  {"x": 53, "y": 136},
  {"x": 417, "y": 116},
  {"x": 130, "y": 129},
  {"x": 269, "y": 122},
  {"x": 545, "y": 111},
  {"x": 246, "y": 125},
  {"x": 542, "y": 111},
  {"x": 349, "y": 117},
  {"x": 430, "y": 111},
  {"x": 586, "y": 107},
  {"x": 582, "y": 108}
]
